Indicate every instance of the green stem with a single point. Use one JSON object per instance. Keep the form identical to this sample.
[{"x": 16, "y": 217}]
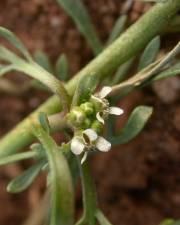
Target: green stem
[
  {"x": 89, "y": 196},
  {"x": 129, "y": 44},
  {"x": 62, "y": 193}
]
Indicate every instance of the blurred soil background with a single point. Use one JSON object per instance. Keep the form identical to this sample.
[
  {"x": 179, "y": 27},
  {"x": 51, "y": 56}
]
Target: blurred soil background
[{"x": 137, "y": 183}]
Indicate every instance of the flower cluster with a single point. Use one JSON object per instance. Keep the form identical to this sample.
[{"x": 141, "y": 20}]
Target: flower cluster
[{"x": 88, "y": 120}]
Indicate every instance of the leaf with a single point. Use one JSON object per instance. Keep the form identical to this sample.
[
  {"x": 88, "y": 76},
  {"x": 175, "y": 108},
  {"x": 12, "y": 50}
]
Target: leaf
[
  {"x": 37, "y": 72},
  {"x": 43, "y": 60},
  {"x": 150, "y": 53},
  {"x": 44, "y": 121},
  {"x": 8, "y": 35},
  {"x": 85, "y": 87},
  {"x": 134, "y": 125},
  {"x": 122, "y": 71},
  {"x": 5, "y": 69},
  {"x": 102, "y": 219},
  {"x": 24, "y": 180},
  {"x": 18, "y": 157},
  {"x": 62, "y": 196},
  {"x": 118, "y": 28},
  {"x": 170, "y": 222},
  {"x": 62, "y": 68},
  {"x": 79, "y": 14},
  {"x": 173, "y": 71}
]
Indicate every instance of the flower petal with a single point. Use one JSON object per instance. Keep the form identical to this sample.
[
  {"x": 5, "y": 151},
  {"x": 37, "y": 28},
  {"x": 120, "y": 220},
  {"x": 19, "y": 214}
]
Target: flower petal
[
  {"x": 103, "y": 145},
  {"x": 99, "y": 118},
  {"x": 84, "y": 158},
  {"x": 91, "y": 134},
  {"x": 77, "y": 146},
  {"x": 116, "y": 111},
  {"x": 104, "y": 91}
]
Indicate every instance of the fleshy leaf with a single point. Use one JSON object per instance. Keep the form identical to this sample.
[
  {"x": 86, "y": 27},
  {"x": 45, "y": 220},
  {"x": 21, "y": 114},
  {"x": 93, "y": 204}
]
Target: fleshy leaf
[
  {"x": 44, "y": 121},
  {"x": 62, "y": 68},
  {"x": 170, "y": 222},
  {"x": 79, "y": 14},
  {"x": 5, "y": 69},
  {"x": 37, "y": 72},
  {"x": 62, "y": 196},
  {"x": 118, "y": 28},
  {"x": 43, "y": 60},
  {"x": 24, "y": 180},
  {"x": 134, "y": 125},
  {"x": 122, "y": 72},
  {"x": 18, "y": 157},
  {"x": 86, "y": 86},
  {"x": 150, "y": 53},
  {"x": 173, "y": 71},
  {"x": 102, "y": 219},
  {"x": 8, "y": 35}
]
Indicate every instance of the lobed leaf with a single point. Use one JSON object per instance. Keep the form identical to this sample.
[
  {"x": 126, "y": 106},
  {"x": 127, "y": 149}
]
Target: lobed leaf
[
  {"x": 79, "y": 14},
  {"x": 134, "y": 125}
]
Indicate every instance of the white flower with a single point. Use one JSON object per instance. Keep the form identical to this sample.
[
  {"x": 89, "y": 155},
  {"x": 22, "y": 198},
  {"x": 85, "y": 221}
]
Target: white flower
[
  {"x": 100, "y": 97},
  {"x": 89, "y": 140}
]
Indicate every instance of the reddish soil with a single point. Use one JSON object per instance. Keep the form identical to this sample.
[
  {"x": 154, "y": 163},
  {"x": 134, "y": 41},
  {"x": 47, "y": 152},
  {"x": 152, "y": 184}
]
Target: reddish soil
[{"x": 137, "y": 183}]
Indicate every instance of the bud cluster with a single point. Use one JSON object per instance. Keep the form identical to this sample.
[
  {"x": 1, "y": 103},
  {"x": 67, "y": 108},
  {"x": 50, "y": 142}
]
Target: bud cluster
[{"x": 84, "y": 116}]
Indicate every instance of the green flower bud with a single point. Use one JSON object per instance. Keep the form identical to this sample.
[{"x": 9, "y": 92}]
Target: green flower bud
[
  {"x": 97, "y": 126},
  {"x": 76, "y": 116},
  {"x": 87, "y": 108},
  {"x": 87, "y": 123}
]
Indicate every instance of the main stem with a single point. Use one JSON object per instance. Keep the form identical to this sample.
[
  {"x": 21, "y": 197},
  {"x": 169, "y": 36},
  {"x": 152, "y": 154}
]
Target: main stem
[{"x": 129, "y": 44}]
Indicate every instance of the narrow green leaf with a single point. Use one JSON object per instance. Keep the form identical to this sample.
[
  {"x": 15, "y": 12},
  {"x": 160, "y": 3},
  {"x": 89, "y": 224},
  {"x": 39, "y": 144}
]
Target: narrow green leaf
[
  {"x": 62, "y": 68},
  {"x": 43, "y": 60},
  {"x": 102, "y": 219},
  {"x": 78, "y": 12},
  {"x": 172, "y": 71},
  {"x": 122, "y": 72},
  {"x": 84, "y": 89},
  {"x": 5, "y": 69},
  {"x": 43, "y": 119},
  {"x": 170, "y": 222},
  {"x": 62, "y": 196},
  {"x": 18, "y": 157},
  {"x": 24, "y": 180},
  {"x": 118, "y": 28},
  {"x": 150, "y": 53},
  {"x": 37, "y": 72},
  {"x": 8, "y": 35},
  {"x": 134, "y": 125}
]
